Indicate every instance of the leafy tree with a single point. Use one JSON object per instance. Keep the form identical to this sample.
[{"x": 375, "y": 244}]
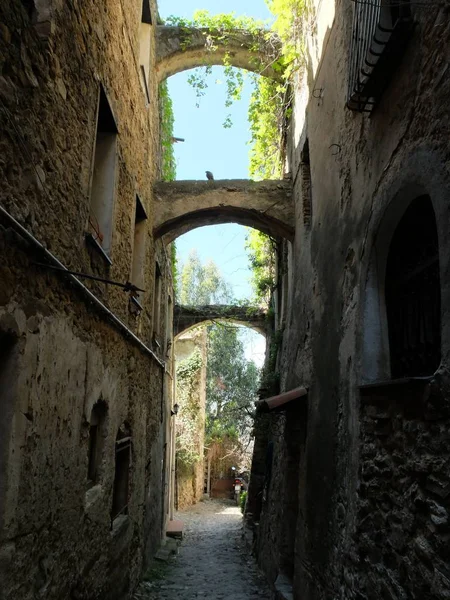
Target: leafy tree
[
  {"x": 231, "y": 384},
  {"x": 202, "y": 284},
  {"x": 231, "y": 380}
]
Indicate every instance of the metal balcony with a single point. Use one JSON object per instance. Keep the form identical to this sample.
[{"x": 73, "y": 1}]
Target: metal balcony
[{"x": 381, "y": 30}]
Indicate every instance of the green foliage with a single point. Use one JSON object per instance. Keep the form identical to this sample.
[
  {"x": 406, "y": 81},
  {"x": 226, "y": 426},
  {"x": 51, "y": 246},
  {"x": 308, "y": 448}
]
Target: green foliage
[
  {"x": 266, "y": 116},
  {"x": 261, "y": 250},
  {"x": 202, "y": 284},
  {"x": 231, "y": 384},
  {"x": 188, "y": 374},
  {"x": 218, "y": 29},
  {"x": 242, "y": 501},
  {"x": 168, "y": 165},
  {"x": 231, "y": 379},
  {"x": 221, "y": 23},
  {"x": 291, "y": 18}
]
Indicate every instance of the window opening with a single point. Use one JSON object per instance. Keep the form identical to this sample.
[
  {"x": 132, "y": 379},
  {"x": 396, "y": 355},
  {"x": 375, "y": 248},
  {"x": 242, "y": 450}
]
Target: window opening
[
  {"x": 381, "y": 30},
  {"x": 306, "y": 185},
  {"x": 121, "y": 490},
  {"x": 139, "y": 238},
  {"x": 413, "y": 295},
  {"x": 144, "y": 47},
  {"x": 157, "y": 304},
  {"x": 95, "y": 448},
  {"x": 104, "y": 177}
]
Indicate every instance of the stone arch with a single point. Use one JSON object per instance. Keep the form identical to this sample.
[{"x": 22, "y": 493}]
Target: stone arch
[
  {"x": 187, "y": 318},
  {"x": 182, "y": 48},
  {"x": 414, "y": 181},
  {"x": 181, "y": 206}
]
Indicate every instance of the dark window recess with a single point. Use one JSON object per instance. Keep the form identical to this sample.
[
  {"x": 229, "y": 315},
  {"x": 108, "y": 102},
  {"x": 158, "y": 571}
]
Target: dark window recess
[
  {"x": 93, "y": 448},
  {"x": 103, "y": 179},
  {"x": 381, "y": 30},
  {"x": 122, "y": 473},
  {"x": 157, "y": 306},
  {"x": 96, "y": 436},
  {"x": 413, "y": 295},
  {"x": 146, "y": 12},
  {"x": 306, "y": 185}
]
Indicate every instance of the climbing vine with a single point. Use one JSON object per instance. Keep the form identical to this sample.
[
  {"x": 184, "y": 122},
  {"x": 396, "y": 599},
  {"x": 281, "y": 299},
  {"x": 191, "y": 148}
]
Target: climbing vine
[
  {"x": 261, "y": 252},
  {"x": 219, "y": 29},
  {"x": 291, "y": 19},
  {"x": 190, "y": 423},
  {"x": 269, "y": 107},
  {"x": 168, "y": 165},
  {"x": 266, "y": 115}
]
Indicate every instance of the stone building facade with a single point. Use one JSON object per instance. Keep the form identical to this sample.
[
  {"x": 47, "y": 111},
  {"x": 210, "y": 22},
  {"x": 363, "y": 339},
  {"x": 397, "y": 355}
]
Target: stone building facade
[
  {"x": 85, "y": 365},
  {"x": 351, "y": 488},
  {"x": 350, "y": 484}
]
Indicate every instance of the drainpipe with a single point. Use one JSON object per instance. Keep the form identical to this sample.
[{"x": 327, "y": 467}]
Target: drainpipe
[
  {"x": 173, "y": 439},
  {"x": 117, "y": 322}
]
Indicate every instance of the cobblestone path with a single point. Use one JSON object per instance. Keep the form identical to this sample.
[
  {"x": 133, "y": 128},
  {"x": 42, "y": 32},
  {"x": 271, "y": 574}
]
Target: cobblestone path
[{"x": 213, "y": 561}]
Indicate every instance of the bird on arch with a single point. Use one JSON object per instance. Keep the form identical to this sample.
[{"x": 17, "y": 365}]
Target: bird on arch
[{"x": 209, "y": 176}]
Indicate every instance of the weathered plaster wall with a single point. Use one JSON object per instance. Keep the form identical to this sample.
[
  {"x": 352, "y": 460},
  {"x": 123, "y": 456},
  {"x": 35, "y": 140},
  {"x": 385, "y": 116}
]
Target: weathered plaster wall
[
  {"x": 395, "y": 154},
  {"x": 56, "y": 539}
]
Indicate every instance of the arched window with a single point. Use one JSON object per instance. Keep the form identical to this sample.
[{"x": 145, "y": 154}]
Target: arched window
[
  {"x": 412, "y": 293},
  {"x": 121, "y": 490}
]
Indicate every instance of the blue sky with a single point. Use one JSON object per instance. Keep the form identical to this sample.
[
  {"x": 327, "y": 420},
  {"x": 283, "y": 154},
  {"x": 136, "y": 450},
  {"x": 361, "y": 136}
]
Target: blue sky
[{"x": 209, "y": 146}]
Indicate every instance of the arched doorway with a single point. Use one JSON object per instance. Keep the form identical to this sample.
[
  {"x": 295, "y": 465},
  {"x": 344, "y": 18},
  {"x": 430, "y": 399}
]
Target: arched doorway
[{"x": 412, "y": 293}]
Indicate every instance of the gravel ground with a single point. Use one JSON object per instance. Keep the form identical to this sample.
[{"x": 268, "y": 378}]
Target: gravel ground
[{"x": 213, "y": 561}]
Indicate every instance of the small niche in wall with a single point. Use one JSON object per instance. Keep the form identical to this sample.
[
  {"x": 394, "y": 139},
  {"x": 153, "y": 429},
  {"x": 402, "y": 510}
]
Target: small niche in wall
[
  {"x": 97, "y": 424},
  {"x": 121, "y": 489}
]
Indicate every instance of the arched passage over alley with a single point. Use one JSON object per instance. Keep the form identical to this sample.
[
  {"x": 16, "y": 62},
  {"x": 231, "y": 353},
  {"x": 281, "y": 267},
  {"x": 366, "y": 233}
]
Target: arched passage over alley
[
  {"x": 181, "y": 206},
  {"x": 187, "y": 317},
  {"x": 182, "y": 48}
]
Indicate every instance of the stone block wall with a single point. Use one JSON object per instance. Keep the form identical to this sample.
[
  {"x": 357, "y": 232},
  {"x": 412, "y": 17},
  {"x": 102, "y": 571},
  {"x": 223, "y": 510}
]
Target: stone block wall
[
  {"x": 364, "y": 171},
  {"x": 61, "y": 354},
  {"x": 404, "y": 493}
]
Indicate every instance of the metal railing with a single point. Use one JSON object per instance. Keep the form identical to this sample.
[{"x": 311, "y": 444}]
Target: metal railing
[{"x": 376, "y": 27}]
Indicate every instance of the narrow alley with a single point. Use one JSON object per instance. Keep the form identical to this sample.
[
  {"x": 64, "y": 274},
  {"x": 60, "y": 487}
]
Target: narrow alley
[{"x": 213, "y": 560}]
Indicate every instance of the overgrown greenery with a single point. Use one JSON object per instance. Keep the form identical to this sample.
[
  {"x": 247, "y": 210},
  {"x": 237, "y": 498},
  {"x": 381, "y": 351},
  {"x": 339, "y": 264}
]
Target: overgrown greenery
[
  {"x": 188, "y": 373},
  {"x": 231, "y": 380},
  {"x": 291, "y": 18},
  {"x": 261, "y": 251},
  {"x": 242, "y": 501},
  {"x": 202, "y": 284},
  {"x": 266, "y": 117},
  {"x": 231, "y": 384},
  {"x": 269, "y": 107},
  {"x": 168, "y": 165}
]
